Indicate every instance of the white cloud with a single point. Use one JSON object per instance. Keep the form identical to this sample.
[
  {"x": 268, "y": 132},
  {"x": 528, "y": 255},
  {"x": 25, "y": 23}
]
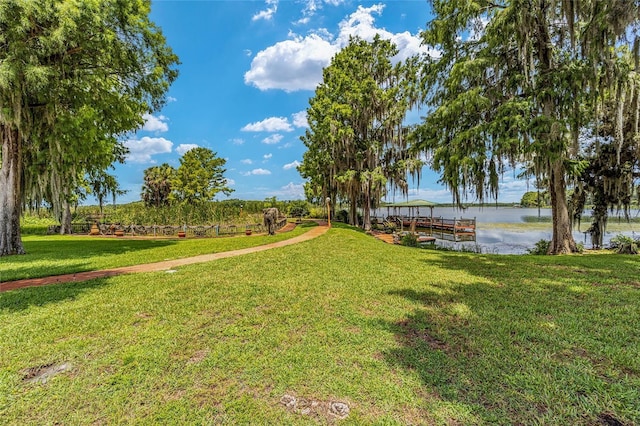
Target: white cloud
[
  {"x": 297, "y": 63},
  {"x": 273, "y": 139},
  {"x": 510, "y": 190},
  {"x": 293, "y": 165},
  {"x": 267, "y": 14},
  {"x": 171, "y": 99},
  {"x": 271, "y": 124},
  {"x": 257, "y": 172},
  {"x": 291, "y": 65},
  {"x": 246, "y": 161},
  {"x": 141, "y": 150},
  {"x": 267, "y": 156},
  {"x": 230, "y": 182},
  {"x": 237, "y": 141},
  {"x": 155, "y": 124},
  {"x": 312, "y": 6},
  {"x": 361, "y": 23},
  {"x": 184, "y": 147},
  {"x": 438, "y": 195},
  {"x": 290, "y": 191},
  {"x": 300, "y": 119}
]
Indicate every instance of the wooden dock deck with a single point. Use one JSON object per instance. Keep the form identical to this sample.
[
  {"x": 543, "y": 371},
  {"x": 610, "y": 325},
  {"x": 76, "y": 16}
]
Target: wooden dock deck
[{"x": 456, "y": 229}]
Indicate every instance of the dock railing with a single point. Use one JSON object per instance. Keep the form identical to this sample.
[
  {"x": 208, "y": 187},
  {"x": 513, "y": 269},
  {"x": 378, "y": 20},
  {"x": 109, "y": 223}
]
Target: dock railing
[{"x": 458, "y": 229}]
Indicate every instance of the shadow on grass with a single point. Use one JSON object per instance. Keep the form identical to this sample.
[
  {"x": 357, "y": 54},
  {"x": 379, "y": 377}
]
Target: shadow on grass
[
  {"x": 555, "y": 273},
  {"x": 21, "y": 299},
  {"x": 59, "y": 249},
  {"x": 514, "y": 340},
  {"x": 434, "y": 345},
  {"x": 61, "y": 255}
]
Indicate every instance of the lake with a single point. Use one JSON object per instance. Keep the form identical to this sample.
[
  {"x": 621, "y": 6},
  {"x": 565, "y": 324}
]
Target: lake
[{"x": 494, "y": 239}]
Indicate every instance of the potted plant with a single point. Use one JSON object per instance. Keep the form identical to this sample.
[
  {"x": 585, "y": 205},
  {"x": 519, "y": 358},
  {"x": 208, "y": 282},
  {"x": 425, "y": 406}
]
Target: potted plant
[{"x": 95, "y": 230}]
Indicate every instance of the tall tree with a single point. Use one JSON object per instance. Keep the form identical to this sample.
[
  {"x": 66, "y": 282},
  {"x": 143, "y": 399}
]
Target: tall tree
[
  {"x": 102, "y": 185},
  {"x": 613, "y": 162},
  {"x": 356, "y": 141},
  {"x": 515, "y": 82},
  {"x": 157, "y": 185},
  {"x": 74, "y": 75},
  {"x": 199, "y": 178}
]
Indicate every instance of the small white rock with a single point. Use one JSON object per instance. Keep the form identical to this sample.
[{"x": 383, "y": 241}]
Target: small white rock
[
  {"x": 339, "y": 409},
  {"x": 288, "y": 401}
]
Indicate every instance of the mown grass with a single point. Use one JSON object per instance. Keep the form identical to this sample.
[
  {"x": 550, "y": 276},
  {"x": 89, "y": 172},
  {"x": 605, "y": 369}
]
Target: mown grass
[
  {"x": 63, "y": 254},
  {"x": 401, "y": 335}
]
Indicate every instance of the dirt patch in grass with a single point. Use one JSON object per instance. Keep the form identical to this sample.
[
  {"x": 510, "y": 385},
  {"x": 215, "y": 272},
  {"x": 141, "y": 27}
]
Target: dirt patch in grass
[
  {"x": 412, "y": 334},
  {"x": 634, "y": 284},
  {"x": 43, "y": 373},
  {"x": 327, "y": 410},
  {"x": 198, "y": 356},
  {"x": 608, "y": 419}
]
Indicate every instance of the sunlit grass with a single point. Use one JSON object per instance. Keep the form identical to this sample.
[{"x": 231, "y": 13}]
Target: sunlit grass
[
  {"x": 401, "y": 335},
  {"x": 56, "y": 254}
]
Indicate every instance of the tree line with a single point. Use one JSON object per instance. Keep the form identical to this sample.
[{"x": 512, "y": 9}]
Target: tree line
[
  {"x": 198, "y": 179},
  {"x": 75, "y": 76},
  {"x": 548, "y": 87}
]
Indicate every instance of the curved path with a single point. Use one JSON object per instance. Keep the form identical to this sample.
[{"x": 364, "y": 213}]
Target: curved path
[{"x": 158, "y": 266}]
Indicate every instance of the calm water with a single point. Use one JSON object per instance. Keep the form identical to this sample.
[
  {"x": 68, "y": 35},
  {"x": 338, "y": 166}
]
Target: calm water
[{"x": 499, "y": 240}]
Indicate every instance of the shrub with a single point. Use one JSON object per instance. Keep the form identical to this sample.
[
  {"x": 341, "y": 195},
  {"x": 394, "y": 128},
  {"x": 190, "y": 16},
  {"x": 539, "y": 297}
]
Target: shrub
[
  {"x": 624, "y": 245},
  {"x": 298, "y": 208},
  {"x": 342, "y": 216},
  {"x": 317, "y": 212},
  {"x": 390, "y": 227},
  {"x": 409, "y": 240},
  {"x": 541, "y": 248}
]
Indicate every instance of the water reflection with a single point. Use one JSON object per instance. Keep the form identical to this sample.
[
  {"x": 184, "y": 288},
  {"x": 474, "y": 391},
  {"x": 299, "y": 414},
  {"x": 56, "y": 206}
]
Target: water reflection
[
  {"x": 500, "y": 240},
  {"x": 504, "y": 241}
]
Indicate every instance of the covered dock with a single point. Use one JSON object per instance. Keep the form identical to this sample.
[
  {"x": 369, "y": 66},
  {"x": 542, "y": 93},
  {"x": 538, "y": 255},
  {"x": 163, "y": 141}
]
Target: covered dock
[{"x": 456, "y": 229}]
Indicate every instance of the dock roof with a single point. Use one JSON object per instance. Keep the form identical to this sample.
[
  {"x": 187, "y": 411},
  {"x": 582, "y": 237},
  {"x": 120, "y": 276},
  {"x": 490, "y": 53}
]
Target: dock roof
[{"x": 410, "y": 203}]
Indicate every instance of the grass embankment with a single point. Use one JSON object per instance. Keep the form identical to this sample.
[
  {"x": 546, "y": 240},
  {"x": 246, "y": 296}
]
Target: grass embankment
[
  {"x": 400, "y": 335},
  {"x": 64, "y": 254}
]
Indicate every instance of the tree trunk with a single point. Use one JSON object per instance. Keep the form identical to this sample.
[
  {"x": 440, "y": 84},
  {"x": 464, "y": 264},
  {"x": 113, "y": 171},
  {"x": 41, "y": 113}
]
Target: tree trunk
[
  {"x": 600, "y": 216},
  {"x": 562, "y": 241},
  {"x": 10, "y": 191},
  {"x": 353, "y": 211},
  {"x": 366, "y": 214},
  {"x": 65, "y": 220}
]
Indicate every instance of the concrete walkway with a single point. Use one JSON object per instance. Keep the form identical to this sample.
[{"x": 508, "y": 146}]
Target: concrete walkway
[{"x": 158, "y": 266}]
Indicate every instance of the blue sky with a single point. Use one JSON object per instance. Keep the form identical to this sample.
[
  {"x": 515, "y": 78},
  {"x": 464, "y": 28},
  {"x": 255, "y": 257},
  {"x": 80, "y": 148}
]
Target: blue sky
[{"x": 248, "y": 69}]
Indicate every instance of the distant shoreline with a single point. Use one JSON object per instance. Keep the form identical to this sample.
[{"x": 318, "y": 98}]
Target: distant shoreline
[{"x": 612, "y": 226}]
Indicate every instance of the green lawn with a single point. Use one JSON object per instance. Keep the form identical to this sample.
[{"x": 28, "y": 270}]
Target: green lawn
[
  {"x": 56, "y": 254},
  {"x": 400, "y": 335}
]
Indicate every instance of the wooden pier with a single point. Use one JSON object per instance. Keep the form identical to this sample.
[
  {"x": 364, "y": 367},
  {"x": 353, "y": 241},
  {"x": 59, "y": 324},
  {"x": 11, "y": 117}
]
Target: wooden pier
[{"x": 456, "y": 229}]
